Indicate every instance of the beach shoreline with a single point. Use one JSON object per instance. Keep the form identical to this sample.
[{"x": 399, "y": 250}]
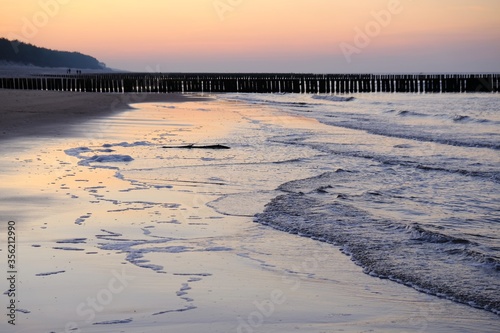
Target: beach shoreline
[
  {"x": 48, "y": 113},
  {"x": 178, "y": 224}
]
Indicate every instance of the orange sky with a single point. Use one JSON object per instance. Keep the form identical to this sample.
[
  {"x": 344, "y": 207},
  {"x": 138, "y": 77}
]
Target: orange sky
[{"x": 265, "y": 35}]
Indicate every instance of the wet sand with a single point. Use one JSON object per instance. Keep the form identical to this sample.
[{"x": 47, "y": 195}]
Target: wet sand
[
  {"x": 167, "y": 242},
  {"x": 47, "y": 113}
]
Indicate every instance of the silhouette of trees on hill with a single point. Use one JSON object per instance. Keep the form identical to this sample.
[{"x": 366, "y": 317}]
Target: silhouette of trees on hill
[{"x": 28, "y": 54}]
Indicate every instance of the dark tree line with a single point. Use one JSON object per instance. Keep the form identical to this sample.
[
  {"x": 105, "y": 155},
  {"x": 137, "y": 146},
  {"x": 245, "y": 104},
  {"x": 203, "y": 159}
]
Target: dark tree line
[{"x": 27, "y": 54}]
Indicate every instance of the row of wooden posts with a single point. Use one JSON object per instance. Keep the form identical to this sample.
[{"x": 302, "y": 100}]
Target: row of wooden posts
[{"x": 258, "y": 83}]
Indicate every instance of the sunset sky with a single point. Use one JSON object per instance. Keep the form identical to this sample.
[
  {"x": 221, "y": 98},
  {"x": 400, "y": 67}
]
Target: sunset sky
[{"x": 324, "y": 36}]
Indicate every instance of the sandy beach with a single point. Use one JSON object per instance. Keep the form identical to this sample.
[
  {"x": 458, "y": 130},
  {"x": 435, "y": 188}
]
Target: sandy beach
[
  {"x": 117, "y": 234},
  {"x": 47, "y": 113}
]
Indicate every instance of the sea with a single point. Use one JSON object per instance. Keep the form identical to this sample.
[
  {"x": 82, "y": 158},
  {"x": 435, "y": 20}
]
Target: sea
[{"x": 410, "y": 188}]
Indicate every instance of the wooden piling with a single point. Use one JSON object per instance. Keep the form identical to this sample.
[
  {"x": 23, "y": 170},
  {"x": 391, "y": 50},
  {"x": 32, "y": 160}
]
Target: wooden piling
[{"x": 260, "y": 83}]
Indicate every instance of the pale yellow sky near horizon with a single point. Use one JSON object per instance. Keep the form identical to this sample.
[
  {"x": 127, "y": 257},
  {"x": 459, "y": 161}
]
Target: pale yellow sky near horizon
[{"x": 260, "y": 35}]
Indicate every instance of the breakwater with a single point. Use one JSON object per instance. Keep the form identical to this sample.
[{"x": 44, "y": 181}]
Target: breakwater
[{"x": 258, "y": 83}]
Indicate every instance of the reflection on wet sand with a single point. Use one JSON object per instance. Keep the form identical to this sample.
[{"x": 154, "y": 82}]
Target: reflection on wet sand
[{"x": 118, "y": 233}]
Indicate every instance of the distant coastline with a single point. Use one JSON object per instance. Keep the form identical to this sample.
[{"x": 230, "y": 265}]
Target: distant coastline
[{"x": 17, "y": 52}]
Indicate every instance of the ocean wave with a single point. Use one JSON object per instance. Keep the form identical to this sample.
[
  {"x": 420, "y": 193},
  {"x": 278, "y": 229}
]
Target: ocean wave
[
  {"x": 436, "y": 262},
  {"x": 459, "y": 118},
  {"x": 476, "y": 170},
  {"x": 405, "y": 113},
  {"x": 408, "y": 132},
  {"x": 418, "y": 233},
  {"x": 333, "y": 98},
  {"x": 489, "y": 175},
  {"x": 468, "y": 119},
  {"x": 455, "y": 118}
]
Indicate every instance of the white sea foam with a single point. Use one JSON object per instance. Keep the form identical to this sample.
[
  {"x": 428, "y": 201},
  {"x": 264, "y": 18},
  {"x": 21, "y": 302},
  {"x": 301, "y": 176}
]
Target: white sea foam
[
  {"x": 332, "y": 98},
  {"x": 106, "y": 159}
]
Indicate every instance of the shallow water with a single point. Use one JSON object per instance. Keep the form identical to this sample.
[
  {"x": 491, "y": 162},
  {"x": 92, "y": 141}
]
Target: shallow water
[
  {"x": 177, "y": 224},
  {"x": 416, "y": 191}
]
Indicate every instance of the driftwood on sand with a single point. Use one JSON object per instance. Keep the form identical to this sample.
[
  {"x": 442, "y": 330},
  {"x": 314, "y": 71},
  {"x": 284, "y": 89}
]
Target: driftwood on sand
[{"x": 192, "y": 146}]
